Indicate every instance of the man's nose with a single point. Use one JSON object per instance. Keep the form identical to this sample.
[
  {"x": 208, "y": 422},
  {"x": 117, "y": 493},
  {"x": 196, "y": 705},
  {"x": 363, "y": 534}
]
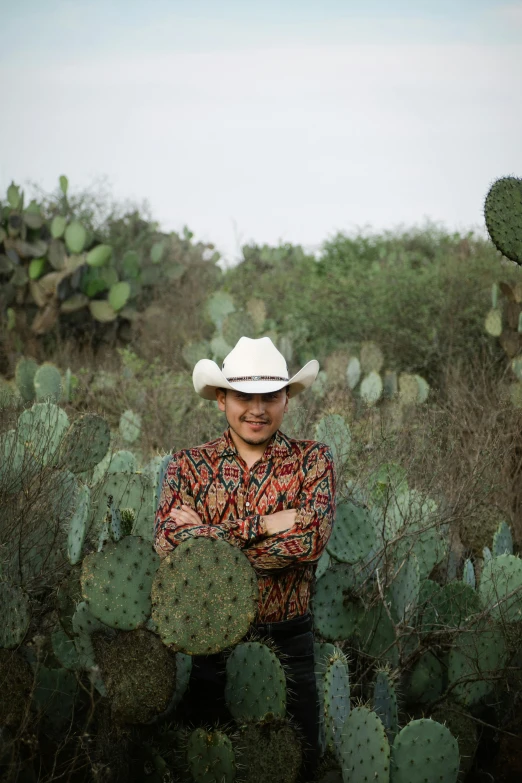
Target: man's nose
[{"x": 257, "y": 404}]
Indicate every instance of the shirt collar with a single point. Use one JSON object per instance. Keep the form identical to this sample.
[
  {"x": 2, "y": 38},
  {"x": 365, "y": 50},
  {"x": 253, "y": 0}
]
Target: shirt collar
[{"x": 279, "y": 445}]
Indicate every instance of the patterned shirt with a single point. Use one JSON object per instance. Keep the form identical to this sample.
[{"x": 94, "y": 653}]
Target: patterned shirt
[{"x": 230, "y": 499}]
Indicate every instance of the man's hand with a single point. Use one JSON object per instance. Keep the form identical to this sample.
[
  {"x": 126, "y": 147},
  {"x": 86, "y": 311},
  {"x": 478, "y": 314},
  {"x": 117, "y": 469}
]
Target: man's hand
[
  {"x": 279, "y": 522},
  {"x": 185, "y": 514}
]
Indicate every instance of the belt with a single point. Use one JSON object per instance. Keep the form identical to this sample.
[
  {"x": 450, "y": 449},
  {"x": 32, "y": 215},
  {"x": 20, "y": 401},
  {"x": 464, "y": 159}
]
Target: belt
[{"x": 286, "y": 628}]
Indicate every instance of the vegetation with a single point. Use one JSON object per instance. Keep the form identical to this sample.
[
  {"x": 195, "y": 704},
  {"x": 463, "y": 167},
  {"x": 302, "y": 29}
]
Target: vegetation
[{"x": 418, "y": 599}]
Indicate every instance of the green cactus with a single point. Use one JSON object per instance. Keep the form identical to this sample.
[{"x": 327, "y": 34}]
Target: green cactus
[
  {"x": 468, "y": 573},
  {"x": 333, "y": 430},
  {"x": 353, "y": 372},
  {"x": 57, "y": 227},
  {"x": 476, "y": 661},
  {"x": 365, "y": 750},
  {"x": 25, "y": 371},
  {"x": 425, "y": 748},
  {"x": 503, "y": 215},
  {"x": 99, "y": 255},
  {"x": 84, "y": 624},
  {"x": 337, "y": 609},
  {"x": 255, "y": 684},
  {"x": 16, "y": 462},
  {"x": 500, "y": 588},
  {"x": 371, "y": 388},
  {"x": 323, "y": 654},
  {"x": 41, "y": 428},
  {"x": 78, "y": 525},
  {"x": 219, "y": 305},
  {"x": 127, "y": 490},
  {"x": 336, "y": 701},
  {"x": 85, "y": 443},
  {"x": 130, "y": 426},
  {"x": 404, "y": 589},
  {"x": 385, "y": 702},
  {"x": 75, "y": 237},
  {"x": 117, "y": 581},
  {"x": 65, "y": 650},
  {"x": 204, "y": 596},
  {"x": 377, "y": 635},
  {"x": 210, "y": 757},
  {"x": 502, "y": 541},
  {"x": 426, "y": 680},
  {"x": 15, "y": 614},
  {"x": 353, "y": 535}
]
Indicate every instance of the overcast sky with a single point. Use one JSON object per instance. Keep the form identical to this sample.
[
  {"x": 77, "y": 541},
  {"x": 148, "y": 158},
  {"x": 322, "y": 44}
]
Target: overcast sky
[{"x": 267, "y": 121}]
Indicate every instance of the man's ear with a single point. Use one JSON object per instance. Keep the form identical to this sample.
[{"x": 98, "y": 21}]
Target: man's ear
[
  {"x": 287, "y": 398},
  {"x": 220, "y": 397}
]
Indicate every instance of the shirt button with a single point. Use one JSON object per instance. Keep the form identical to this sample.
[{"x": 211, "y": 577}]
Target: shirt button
[{"x": 247, "y": 504}]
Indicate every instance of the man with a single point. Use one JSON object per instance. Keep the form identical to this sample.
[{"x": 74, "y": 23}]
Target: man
[{"x": 269, "y": 495}]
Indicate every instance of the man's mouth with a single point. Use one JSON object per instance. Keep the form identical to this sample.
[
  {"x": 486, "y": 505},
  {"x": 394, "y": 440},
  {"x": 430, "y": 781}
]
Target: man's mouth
[{"x": 256, "y": 425}]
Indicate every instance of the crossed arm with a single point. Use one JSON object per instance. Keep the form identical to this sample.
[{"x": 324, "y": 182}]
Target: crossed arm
[{"x": 271, "y": 542}]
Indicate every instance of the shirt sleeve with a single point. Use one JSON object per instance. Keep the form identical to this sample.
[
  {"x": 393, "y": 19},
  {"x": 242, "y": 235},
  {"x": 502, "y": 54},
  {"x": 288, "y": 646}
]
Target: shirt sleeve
[
  {"x": 175, "y": 492},
  {"x": 315, "y": 506}
]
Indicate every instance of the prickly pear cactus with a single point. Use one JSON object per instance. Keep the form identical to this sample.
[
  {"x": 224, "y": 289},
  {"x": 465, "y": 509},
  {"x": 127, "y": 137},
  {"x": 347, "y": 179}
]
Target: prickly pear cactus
[
  {"x": 139, "y": 673},
  {"x": 365, "y": 751},
  {"x": 116, "y": 582},
  {"x": 269, "y": 752},
  {"x": 204, "y": 596},
  {"x": 426, "y": 680},
  {"x": 24, "y": 376},
  {"x": 425, "y": 749},
  {"x": 48, "y": 383},
  {"x": 256, "y": 684},
  {"x": 78, "y": 525},
  {"x": 85, "y": 443},
  {"x": 502, "y": 541},
  {"x": 353, "y": 535},
  {"x": 15, "y": 614},
  {"x": 475, "y": 661},
  {"x": 404, "y": 589},
  {"x": 42, "y": 428},
  {"x": 385, "y": 702},
  {"x": 210, "y": 757},
  {"x": 503, "y": 215},
  {"x": 500, "y": 588},
  {"x": 336, "y": 700},
  {"x": 336, "y": 606}
]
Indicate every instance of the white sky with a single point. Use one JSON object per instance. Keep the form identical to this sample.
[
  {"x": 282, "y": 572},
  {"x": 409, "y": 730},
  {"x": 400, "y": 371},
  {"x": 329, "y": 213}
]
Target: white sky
[{"x": 268, "y": 129}]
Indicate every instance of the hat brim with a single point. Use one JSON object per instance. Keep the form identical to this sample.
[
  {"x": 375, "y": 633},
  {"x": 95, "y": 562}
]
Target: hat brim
[{"x": 207, "y": 377}]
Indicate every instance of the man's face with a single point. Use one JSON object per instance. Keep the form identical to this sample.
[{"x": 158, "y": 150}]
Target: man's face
[{"x": 253, "y": 418}]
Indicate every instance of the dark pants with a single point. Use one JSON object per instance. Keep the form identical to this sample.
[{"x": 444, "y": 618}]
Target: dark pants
[{"x": 205, "y": 701}]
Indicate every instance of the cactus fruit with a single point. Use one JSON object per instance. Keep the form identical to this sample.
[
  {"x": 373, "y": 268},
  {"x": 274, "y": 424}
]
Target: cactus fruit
[
  {"x": 476, "y": 661},
  {"x": 210, "y": 757},
  {"x": 269, "y": 752},
  {"x": 139, "y": 673},
  {"x": 255, "y": 687},
  {"x": 503, "y": 215},
  {"x": 425, "y": 749},
  {"x": 385, "y": 702},
  {"x": 336, "y": 701},
  {"x": 204, "y": 596},
  {"x": 502, "y": 541},
  {"x": 336, "y": 607},
  {"x": 333, "y": 430},
  {"x": 500, "y": 588},
  {"x": 353, "y": 535},
  {"x": 48, "y": 383},
  {"x": 15, "y": 614},
  {"x": 365, "y": 750},
  {"x": 117, "y": 581},
  {"x": 85, "y": 443}
]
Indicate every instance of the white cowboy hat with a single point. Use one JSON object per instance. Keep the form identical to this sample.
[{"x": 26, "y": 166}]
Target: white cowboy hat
[{"x": 254, "y": 367}]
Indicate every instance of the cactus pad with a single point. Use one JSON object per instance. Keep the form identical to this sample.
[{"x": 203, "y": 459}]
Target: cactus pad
[
  {"x": 323, "y": 653},
  {"x": 476, "y": 661},
  {"x": 426, "y": 680},
  {"x": 365, "y": 750},
  {"x": 48, "y": 383},
  {"x": 336, "y": 701},
  {"x": 377, "y": 635},
  {"x": 256, "y": 684},
  {"x": 42, "y": 428},
  {"x": 353, "y": 535},
  {"x": 385, "y": 702},
  {"x": 84, "y": 625},
  {"x": 204, "y": 596},
  {"x": 337, "y": 609},
  {"x": 139, "y": 673},
  {"x": 503, "y": 215},
  {"x": 502, "y": 577},
  {"x": 117, "y": 581},
  {"x": 130, "y": 426},
  {"x": 15, "y": 614},
  {"x": 85, "y": 443},
  {"x": 78, "y": 525},
  {"x": 127, "y": 490},
  {"x": 24, "y": 376},
  {"x": 502, "y": 541},
  {"x": 210, "y": 757},
  {"x": 269, "y": 752},
  {"x": 404, "y": 589},
  {"x": 425, "y": 748},
  {"x": 333, "y": 430}
]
